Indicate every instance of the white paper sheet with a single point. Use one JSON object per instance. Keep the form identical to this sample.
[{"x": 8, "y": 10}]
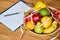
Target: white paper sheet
[{"x": 14, "y": 21}]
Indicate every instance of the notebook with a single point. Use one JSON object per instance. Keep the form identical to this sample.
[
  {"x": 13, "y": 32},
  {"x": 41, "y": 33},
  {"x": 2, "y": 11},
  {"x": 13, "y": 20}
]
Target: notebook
[{"x": 14, "y": 21}]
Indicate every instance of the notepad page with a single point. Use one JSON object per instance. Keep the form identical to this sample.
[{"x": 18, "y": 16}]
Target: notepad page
[{"x": 14, "y": 21}]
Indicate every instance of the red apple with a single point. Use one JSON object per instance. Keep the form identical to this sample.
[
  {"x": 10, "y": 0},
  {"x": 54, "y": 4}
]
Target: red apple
[
  {"x": 27, "y": 19},
  {"x": 56, "y": 16},
  {"x": 36, "y": 17}
]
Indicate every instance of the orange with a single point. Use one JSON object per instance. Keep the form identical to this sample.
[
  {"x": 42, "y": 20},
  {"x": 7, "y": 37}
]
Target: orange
[{"x": 29, "y": 25}]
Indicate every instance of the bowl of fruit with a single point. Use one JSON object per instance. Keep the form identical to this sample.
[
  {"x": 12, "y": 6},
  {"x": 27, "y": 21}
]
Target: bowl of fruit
[{"x": 42, "y": 20}]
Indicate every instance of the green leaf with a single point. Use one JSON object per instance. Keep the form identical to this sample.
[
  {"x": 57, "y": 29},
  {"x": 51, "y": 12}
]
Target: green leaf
[{"x": 25, "y": 13}]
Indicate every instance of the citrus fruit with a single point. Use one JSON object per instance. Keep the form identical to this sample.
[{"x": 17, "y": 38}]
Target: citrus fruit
[
  {"x": 44, "y": 12},
  {"x": 39, "y": 5},
  {"x": 29, "y": 25},
  {"x": 48, "y": 21}
]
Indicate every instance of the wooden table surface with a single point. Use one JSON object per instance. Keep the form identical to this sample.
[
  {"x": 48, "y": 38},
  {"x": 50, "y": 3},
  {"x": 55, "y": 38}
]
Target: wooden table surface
[{"x": 6, "y": 34}]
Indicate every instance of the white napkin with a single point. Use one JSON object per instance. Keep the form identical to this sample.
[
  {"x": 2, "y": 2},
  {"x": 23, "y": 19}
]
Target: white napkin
[{"x": 14, "y": 21}]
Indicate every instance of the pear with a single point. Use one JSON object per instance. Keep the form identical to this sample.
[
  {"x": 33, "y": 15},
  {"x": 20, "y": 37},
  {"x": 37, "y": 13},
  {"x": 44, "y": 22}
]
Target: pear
[{"x": 38, "y": 29}]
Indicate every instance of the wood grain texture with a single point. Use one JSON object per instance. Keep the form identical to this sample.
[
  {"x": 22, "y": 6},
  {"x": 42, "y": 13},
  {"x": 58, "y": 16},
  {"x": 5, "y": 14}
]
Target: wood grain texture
[
  {"x": 6, "y": 34},
  {"x": 4, "y": 4}
]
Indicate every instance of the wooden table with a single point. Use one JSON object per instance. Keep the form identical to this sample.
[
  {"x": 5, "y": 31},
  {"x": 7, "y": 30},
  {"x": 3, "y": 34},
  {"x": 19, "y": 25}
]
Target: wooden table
[{"x": 6, "y": 34}]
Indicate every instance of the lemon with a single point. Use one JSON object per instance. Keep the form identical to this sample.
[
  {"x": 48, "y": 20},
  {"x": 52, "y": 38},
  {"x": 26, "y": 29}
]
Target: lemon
[
  {"x": 29, "y": 25},
  {"x": 39, "y": 5},
  {"x": 48, "y": 21}
]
